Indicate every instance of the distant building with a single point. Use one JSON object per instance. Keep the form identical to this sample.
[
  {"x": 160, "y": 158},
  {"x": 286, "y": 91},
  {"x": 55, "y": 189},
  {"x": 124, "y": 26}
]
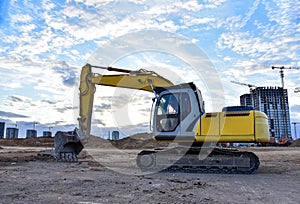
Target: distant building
[
  {"x": 273, "y": 101},
  {"x": 2, "y": 128},
  {"x": 47, "y": 134},
  {"x": 31, "y": 133},
  {"x": 12, "y": 133},
  {"x": 115, "y": 135},
  {"x": 246, "y": 100}
]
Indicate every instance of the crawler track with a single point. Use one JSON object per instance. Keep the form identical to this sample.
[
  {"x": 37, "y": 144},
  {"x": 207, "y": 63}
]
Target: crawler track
[{"x": 200, "y": 160}]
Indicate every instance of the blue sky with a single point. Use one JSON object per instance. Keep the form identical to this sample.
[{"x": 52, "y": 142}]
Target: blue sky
[{"x": 45, "y": 43}]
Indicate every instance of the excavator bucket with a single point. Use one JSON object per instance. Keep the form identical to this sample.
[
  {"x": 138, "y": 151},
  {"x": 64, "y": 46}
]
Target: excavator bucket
[{"x": 67, "y": 146}]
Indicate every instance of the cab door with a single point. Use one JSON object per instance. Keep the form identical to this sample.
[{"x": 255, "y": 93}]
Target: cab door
[
  {"x": 176, "y": 115},
  {"x": 167, "y": 118}
]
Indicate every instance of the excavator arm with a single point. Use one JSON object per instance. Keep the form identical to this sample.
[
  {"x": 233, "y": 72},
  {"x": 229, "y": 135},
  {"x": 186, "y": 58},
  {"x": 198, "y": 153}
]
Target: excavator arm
[
  {"x": 140, "y": 80},
  {"x": 69, "y": 144}
]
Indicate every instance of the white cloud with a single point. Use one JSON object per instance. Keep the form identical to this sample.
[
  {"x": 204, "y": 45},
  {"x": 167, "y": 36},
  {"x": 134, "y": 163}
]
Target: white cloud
[
  {"x": 94, "y": 3},
  {"x": 138, "y": 1},
  {"x": 243, "y": 21},
  {"x": 33, "y": 77},
  {"x": 27, "y": 28},
  {"x": 282, "y": 11},
  {"x": 21, "y": 18},
  {"x": 191, "y": 5},
  {"x": 190, "y": 21}
]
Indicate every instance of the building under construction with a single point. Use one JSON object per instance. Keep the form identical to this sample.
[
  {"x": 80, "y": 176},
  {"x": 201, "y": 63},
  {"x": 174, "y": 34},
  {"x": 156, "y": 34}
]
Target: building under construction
[{"x": 273, "y": 101}]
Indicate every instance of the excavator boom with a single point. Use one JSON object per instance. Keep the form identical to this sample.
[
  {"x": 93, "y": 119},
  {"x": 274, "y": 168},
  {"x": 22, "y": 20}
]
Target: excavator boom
[{"x": 140, "y": 80}]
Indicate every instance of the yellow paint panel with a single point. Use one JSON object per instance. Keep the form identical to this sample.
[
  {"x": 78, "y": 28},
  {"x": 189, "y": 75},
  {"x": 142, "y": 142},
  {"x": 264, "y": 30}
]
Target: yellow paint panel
[
  {"x": 237, "y": 123},
  {"x": 210, "y": 124},
  {"x": 140, "y": 82},
  {"x": 261, "y": 127},
  {"x": 242, "y": 126}
]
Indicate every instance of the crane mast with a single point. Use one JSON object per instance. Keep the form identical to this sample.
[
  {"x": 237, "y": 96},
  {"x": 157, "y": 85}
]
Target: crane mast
[{"x": 281, "y": 72}]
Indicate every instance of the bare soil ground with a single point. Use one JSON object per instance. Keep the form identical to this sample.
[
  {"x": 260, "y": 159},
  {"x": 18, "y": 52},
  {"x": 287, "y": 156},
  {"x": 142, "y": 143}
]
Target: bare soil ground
[{"x": 26, "y": 176}]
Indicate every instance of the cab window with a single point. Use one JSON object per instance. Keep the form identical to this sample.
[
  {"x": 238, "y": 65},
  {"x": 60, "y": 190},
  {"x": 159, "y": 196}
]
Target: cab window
[
  {"x": 186, "y": 105},
  {"x": 167, "y": 117}
]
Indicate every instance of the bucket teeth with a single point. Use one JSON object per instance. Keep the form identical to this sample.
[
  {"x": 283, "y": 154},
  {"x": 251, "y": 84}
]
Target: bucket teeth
[{"x": 66, "y": 157}]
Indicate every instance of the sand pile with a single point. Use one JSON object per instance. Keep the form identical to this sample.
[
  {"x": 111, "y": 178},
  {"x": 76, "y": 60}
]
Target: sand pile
[
  {"x": 31, "y": 142},
  {"x": 296, "y": 143},
  {"x": 137, "y": 141}
]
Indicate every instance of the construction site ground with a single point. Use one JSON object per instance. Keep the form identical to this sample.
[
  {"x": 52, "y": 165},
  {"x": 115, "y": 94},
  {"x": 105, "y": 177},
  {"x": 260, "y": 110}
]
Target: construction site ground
[{"x": 27, "y": 175}]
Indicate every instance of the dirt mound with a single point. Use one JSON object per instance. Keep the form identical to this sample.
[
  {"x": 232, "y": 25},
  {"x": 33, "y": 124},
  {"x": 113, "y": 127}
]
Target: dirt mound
[
  {"x": 142, "y": 136},
  {"x": 130, "y": 143},
  {"x": 137, "y": 141},
  {"x": 97, "y": 142},
  {"x": 296, "y": 143},
  {"x": 31, "y": 142}
]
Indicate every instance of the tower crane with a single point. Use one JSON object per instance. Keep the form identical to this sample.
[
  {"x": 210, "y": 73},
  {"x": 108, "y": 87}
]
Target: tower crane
[
  {"x": 282, "y": 74},
  {"x": 251, "y": 86}
]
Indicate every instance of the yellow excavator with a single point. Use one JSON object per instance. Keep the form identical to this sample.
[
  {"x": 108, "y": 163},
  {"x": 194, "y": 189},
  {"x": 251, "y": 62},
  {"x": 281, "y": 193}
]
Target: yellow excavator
[{"x": 178, "y": 115}]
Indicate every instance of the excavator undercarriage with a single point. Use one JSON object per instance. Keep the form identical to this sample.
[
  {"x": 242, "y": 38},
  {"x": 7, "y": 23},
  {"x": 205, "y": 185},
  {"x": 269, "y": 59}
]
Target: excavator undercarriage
[{"x": 195, "y": 159}]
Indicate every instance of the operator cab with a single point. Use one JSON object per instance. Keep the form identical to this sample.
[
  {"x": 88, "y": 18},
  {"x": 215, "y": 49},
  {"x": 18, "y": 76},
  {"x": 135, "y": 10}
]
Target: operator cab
[{"x": 176, "y": 113}]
